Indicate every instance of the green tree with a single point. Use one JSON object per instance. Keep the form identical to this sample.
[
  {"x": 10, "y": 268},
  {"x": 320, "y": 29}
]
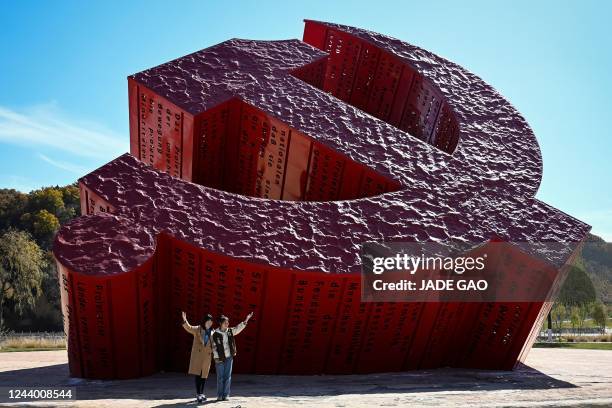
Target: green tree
[
  {"x": 599, "y": 315},
  {"x": 578, "y": 289},
  {"x": 39, "y": 213},
  {"x": 21, "y": 270},
  {"x": 558, "y": 315},
  {"x": 575, "y": 318},
  {"x": 12, "y": 204},
  {"x": 72, "y": 203},
  {"x": 583, "y": 312}
]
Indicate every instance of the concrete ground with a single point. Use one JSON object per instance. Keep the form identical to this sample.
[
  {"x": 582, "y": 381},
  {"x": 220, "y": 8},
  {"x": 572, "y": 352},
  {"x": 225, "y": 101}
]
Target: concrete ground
[{"x": 552, "y": 377}]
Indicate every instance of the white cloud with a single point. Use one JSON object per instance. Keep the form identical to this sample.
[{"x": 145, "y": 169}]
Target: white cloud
[
  {"x": 46, "y": 126},
  {"x": 70, "y": 167}
]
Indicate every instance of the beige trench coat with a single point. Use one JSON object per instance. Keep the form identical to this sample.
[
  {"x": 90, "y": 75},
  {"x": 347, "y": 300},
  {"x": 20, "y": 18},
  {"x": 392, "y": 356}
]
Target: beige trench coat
[{"x": 201, "y": 355}]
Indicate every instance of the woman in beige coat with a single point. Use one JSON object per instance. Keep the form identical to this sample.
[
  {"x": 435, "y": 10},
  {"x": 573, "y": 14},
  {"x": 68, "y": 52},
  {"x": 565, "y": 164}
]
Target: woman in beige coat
[{"x": 201, "y": 352}]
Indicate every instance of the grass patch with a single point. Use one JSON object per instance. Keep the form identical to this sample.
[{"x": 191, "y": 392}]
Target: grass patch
[
  {"x": 583, "y": 346},
  {"x": 11, "y": 349},
  {"x": 32, "y": 343}
]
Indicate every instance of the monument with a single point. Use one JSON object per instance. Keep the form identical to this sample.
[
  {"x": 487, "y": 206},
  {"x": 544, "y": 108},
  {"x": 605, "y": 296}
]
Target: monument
[{"x": 257, "y": 169}]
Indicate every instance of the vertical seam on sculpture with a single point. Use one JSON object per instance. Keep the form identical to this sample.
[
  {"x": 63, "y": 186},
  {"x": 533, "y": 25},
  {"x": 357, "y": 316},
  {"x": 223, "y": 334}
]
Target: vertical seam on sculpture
[
  {"x": 138, "y": 328},
  {"x": 138, "y": 120},
  {"x": 404, "y": 108},
  {"x": 368, "y": 314},
  {"x": 335, "y": 325},
  {"x": 478, "y": 315},
  {"x": 200, "y": 287},
  {"x": 433, "y": 128},
  {"x": 259, "y": 331},
  {"x": 429, "y": 335},
  {"x": 289, "y": 133},
  {"x": 409, "y": 348},
  {"x": 429, "y": 346},
  {"x": 369, "y": 92},
  {"x": 355, "y": 71},
  {"x": 399, "y": 80},
  {"x": 312, "y": 142},
  {"x": 285, "y": 331},
  {"x": 241, "y": 109},
  {"x": 161, "y": 353},
  {"x": 111, "y": 327},
  {"x": 182, "y": 136},
  {"x": 223, "y": 142},
  {"x": 155, "y": 300},
  {"x": 458, "y": 313},
  {"x": 76, "y": 329}
]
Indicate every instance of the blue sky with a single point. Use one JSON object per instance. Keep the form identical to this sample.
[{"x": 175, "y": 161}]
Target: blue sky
[{"x": 63, "y": 88}]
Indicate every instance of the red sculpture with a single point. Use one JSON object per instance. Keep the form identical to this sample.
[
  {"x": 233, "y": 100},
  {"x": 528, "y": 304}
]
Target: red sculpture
[{"x": 292, "y": 154}]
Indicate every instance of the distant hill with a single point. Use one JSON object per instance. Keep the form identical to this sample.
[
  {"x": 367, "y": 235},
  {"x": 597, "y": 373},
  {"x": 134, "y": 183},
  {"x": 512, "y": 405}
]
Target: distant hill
[{"x": 596, "y": 260}]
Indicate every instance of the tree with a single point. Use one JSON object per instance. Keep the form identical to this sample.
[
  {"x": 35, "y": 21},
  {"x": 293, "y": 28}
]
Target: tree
[
  {"x": 577, "y": 290},
  {"x": 599, "y": 315},
  {"x": 558, "y": 314},
  {"x": 47, "y": 198},
  {"x": 21, "y": 270},
  {"x": 39, "y": 213},
  {"x": 72, "y": 203},
  {"x": 583, "y": 313},
  {"x": 575, "y": 318},
  {"x": 44, "y": 227},
  {"x": 12, "y": 204}
]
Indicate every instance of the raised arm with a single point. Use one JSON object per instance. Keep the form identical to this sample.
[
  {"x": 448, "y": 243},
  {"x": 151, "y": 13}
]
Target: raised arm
[
  {"x": 240, "y": 326},
  {"x": 189, "y": 328}
]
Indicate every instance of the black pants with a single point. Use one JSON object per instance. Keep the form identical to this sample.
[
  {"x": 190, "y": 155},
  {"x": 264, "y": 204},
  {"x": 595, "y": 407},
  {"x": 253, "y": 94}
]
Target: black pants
[{"x": 199, "y": 383}]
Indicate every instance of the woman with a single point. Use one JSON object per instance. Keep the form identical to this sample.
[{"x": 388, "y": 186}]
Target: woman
[
  {"x": 224, "y": 350},
  {"x": 201, "y": 352}
]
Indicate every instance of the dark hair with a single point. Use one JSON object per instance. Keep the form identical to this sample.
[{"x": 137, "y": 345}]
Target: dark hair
[
  {"x": 206, "y": 318},
  {"x": 222, "y": 319}
]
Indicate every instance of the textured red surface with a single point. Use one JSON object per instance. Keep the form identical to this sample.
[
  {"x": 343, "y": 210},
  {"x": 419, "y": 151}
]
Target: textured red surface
[{"x": 281, "y": 184}]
